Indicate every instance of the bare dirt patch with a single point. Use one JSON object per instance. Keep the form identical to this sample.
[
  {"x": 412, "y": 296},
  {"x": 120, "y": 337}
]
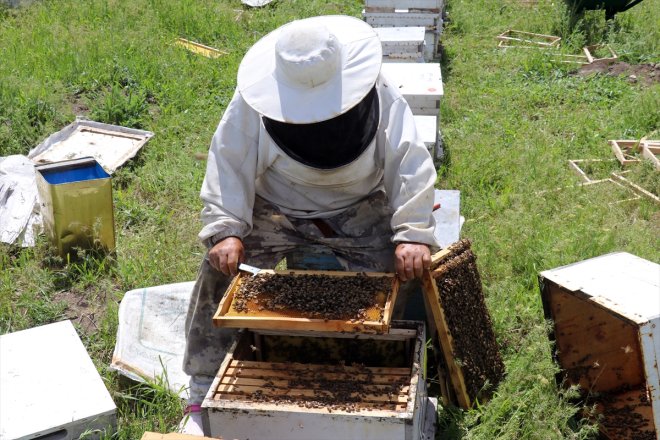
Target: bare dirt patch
[
  {"x": 646, "y": 74},
  {"x": 80, "y": 310}
]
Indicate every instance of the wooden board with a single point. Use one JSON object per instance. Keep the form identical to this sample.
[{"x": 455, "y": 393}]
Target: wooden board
[
  {"x": 626, "y": 415},
  {"x": 596, "y": 349},
  {"x": 227, "y": 316},
  {"x": 201, "y": 49}
]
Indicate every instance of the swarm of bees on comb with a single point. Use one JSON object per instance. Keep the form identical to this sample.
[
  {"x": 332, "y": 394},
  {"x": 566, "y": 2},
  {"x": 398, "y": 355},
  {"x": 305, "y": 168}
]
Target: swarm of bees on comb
[{"x": 314, "y": 295}]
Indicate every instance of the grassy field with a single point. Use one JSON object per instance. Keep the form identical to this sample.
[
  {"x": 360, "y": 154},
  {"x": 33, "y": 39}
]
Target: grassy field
[{"x": 510, "y": 121}]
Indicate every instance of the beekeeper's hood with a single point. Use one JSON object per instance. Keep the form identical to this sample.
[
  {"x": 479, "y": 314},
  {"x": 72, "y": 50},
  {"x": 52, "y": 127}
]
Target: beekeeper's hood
[{"x": 313, "y": 81}]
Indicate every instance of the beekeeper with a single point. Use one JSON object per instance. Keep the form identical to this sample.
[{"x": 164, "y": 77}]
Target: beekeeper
[{"x": 316, "y": 151}]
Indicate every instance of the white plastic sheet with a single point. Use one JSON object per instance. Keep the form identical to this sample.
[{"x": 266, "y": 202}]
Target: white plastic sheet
[
  {"x": 19, "y": 202},
  {"x": 151, "y": 336}
]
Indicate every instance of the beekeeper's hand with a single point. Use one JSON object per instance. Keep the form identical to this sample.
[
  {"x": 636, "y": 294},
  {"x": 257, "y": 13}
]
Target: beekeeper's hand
[
  {"x": 411, "y": 259},
  {"x": 226, "y": 255}
]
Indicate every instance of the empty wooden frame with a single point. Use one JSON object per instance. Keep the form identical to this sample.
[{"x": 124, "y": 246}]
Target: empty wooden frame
[{"x": 529, "y": 38}]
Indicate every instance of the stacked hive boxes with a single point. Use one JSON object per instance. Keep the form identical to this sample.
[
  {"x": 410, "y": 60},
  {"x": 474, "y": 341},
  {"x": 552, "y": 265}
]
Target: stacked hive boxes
[
  {"x": 409, "y": 31},
  {"x": 407, "y": 13}
]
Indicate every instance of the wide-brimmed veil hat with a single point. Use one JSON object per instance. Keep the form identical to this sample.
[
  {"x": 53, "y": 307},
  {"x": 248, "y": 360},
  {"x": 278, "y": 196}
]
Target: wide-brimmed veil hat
[{"x": 311, "y": 70}]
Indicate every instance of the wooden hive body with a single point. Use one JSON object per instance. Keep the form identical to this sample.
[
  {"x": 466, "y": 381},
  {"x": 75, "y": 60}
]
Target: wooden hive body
[
  {"x": 606, "y": 315},
  {"x": 275, "y": 385}
]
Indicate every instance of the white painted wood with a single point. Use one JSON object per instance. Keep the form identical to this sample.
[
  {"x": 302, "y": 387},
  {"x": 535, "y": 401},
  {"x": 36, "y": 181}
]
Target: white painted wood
[
  {"x": 50, "y": 385},
  {"x": 621, "y": 282},
  {"x": 419, "y": 83},
  {"x": 411, "y": 37},
  {"x": 279, "y": 423},
  {"x": 430, "y": 419},
  {"x": 427, "y": 128},
  {"x": 241, "y": 420},
  {"x": 649, "y": 335},
  {"x": 409, "y": 4},
  {"x": 431, "y": 43},
  {"x": 401, "y": 17}
]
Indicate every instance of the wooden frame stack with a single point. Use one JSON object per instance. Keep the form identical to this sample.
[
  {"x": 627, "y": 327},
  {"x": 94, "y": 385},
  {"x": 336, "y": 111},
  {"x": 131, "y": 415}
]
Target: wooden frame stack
[
  {"x": 405, "y": 13},
  {"x": 252, "y": 398}
]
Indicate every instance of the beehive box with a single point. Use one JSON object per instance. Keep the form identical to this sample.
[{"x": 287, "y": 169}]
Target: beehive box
[
  {"x": 402, "y": 43},
  {"x": 606, "y": 314},
  {"x": 309, "y": 300},
  {"x": 436, "y": 5},
  {"x": 50, "y": 388},
  {"x": 419, "y": 83},
  {"x": 275, "y": 385},
  {"x": 403, "y": 17}
]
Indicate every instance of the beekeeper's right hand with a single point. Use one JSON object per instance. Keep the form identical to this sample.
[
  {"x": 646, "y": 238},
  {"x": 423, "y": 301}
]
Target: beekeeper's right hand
[{"x": 226, "y": 255}]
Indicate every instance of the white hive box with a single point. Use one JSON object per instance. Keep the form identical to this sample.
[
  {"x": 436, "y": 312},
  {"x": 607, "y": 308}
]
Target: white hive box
[
  {"x": 606, "y": 314},
  {"x": 427, "y": 128},
  {"x": 235, "y": 406},
  {"x": 419, "y": 83},
  {"x": 50, "y": 387},
  {"x": 402, "y": 43},
  {"x": 403, "y": 17},
  {"x": 409, "y": 4}
]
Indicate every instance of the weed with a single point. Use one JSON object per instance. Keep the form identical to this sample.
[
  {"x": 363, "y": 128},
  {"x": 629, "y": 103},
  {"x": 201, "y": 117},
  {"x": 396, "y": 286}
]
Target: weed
[{"x": 120, "y": 106}]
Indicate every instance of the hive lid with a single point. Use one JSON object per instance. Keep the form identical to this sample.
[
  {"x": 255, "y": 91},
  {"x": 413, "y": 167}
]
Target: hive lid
[
  {"x": 49, "y": 379},
  {"x": 623, "y": 282},
  {"x": 110, "y": 145}
]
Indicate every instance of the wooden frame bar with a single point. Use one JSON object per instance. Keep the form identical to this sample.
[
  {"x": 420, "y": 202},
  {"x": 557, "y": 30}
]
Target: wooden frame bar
[
  {"x": 636, "y": 188},
  {"x": 445, "y": 338},
  {"x": 225, "y": 318},
  {"x": 624, "y": 150},
  {"x": 574, "y": 164},
  {"x": 589, "y": 49},
  {"x": 650, "y": 151}
]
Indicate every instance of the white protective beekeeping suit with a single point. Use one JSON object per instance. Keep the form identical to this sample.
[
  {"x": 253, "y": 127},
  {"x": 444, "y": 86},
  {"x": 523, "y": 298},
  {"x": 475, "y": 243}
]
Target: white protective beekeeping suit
[{"x": 308, "y": 73}]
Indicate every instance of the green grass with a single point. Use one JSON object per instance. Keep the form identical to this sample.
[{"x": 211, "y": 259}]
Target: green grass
[{"x": 510, "y": 122}]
